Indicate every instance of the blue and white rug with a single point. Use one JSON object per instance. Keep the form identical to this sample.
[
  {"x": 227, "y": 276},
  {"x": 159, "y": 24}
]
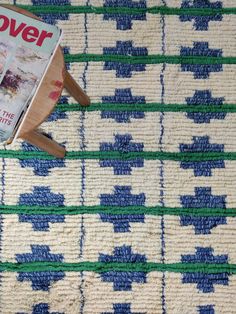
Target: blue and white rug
[{"x": 140, "y": 217}]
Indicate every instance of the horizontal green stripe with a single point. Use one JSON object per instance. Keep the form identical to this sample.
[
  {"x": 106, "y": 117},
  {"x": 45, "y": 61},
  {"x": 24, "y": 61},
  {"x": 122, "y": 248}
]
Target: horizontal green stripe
[
  {"x": 148, "y": 107},
  {"x": 99, "y": 267},
  {"x": 150, "y": 59},
  {"x": 54, "y": 9},
  {"x": 121, "y": 155},
  {"x": 114, "y": 210}
]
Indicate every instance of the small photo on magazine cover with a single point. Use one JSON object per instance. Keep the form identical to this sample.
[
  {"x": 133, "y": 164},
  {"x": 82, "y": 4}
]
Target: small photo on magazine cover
[
  {"x": 6, "y": 51},
  {"x": 22, "y": 77}
]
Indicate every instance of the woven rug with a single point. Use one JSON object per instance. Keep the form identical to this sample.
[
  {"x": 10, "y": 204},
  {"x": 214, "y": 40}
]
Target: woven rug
[{"x": 139, "y": 218}]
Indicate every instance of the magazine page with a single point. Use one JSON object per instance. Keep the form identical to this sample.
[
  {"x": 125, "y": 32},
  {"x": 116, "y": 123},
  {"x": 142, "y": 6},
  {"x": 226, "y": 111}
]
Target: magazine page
[
  {"x": 6, "y": 52},
  {"x": 26, "y": 47}
]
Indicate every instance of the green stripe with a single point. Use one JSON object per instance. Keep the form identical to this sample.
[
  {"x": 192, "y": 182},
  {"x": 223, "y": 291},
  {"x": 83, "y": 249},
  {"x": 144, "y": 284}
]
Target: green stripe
[
  {"x": 54, "y": 9},
  {"x": 114, "y": 210},
  {"x": 120, "y": 155},
  {"x": 148, "y": 107},
  {"x": 99, "y": 267},
  {"x": 150, "y": 59}
]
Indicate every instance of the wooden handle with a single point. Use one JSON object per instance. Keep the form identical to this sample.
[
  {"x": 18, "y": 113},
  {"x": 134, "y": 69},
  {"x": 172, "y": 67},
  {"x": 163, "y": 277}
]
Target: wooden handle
[
  {"x": 75, "y": 90},
  {"x": 44, "y": 143}
]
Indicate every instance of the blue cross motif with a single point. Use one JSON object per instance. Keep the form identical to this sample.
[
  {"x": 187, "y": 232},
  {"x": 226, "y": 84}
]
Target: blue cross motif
[
  {"x": 122, "y": 254},
  {"x": 201, "y": 49},
  {"x": 123, "y": 96},
  {"x": 202, "y": 168},
  {"x": 41, "y": 166},
  {"x": 206, "y": 309},
  {"x": 205, "y": 282},
  {"x": 40, "y": 253},
  {"x": 124, "y": 70},
  {"x": 41, "y": 222},
  {"x": 52, "y": 18},
  {"x": 124, "y": 21},
  {"x": 121, "y": 308},
  {"x": 201, "y": 22},
  {"x": 42, "y": 308},
  {"x": 204, "y": 255},
  {"x": 204, "y": 97},
  {"x": 121, "y": 222},
  {"x": 203, "y": 198},
  {"x": 41, "y": 196},
  {"x": 41, "y": 280},
  {"x": 201, "y": 144},
  {"x": 122, "y": 281},
  {"x": 122, "y": 197},
  {"x": 122, "y": 167},
  {"x": 123, "y": 144},
  {"x": 203, "y": 225}
]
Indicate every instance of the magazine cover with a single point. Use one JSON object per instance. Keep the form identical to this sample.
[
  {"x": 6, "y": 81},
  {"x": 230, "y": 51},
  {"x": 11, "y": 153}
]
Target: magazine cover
[{"x": 26, "y": 48}]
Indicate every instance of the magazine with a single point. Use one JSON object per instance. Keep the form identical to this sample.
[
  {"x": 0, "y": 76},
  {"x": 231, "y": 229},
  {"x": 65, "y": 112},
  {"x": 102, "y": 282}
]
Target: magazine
[{"x": 26, "y": 49}]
